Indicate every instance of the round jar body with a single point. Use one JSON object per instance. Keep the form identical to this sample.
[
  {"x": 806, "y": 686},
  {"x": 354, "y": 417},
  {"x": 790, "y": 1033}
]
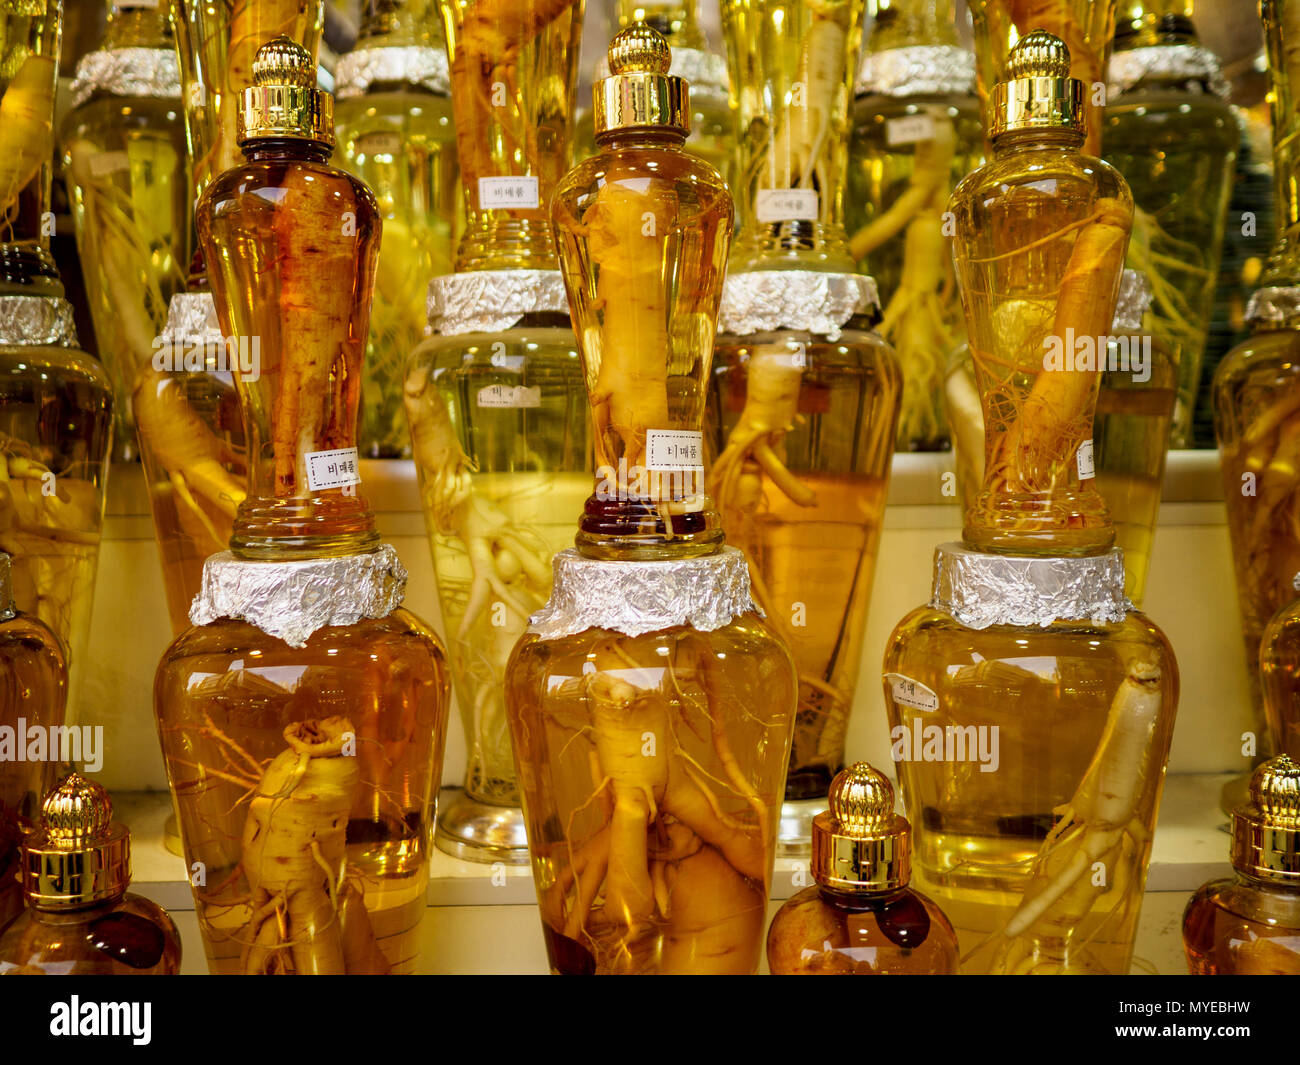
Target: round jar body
[
  {"x": 651, "y": 769},
  {"x": 1003, "y": 736},
  {"x": 825, "y": 410},
  {"x": 315, "y": 862},
  {"x": 1279, "y": 676},
  {"x": 503, "y": 452},
  {"x": 56, "y": 426},
  {"x": 821, "y": 932},
  {"x": 126, "y": 936},
  {"x": 401, "y": 142},
  {"x": 1240, "y": 926}
]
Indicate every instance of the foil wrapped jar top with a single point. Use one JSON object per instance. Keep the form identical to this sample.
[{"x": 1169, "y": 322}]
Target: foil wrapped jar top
[
  {"x": 37, "y": 321},
  {"x": 127, "y": 72},
  {"x": 418, "y": 65},
  {"x": 634, "y": 598},
  {"x": 979, "y": 589},
  {"x": 764, "y": 301},
  {"x": 919, "y": 70},
  {"x": 492, "y": 301}
]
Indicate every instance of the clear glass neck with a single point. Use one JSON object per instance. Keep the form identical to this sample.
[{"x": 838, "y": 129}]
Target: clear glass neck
[
  {"x": 675, "y": 19},
  {"x": 138, "y": 27},
  {"x": 1144, "y": 23},
  {"x": 400, "y": 23},
  {"x": 910, "y": 23}
]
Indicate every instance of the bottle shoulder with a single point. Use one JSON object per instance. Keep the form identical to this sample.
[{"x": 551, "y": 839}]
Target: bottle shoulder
[
  {"x": 645, "y": 170},
  {"x": 1051, "y": 172}
]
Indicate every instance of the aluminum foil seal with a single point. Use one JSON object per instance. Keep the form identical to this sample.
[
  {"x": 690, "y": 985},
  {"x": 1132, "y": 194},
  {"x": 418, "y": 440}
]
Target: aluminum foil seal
[
  {"x": 415, "y": 64},
  {"x": 761, "y": 301},
  {"x": 191, "y": 319},
  {"x": 1276, "y": 306},
  {"x": 924, "y": 70},
  {"x": 639, "y": 597},
  {"x": 1196, "y": 66},
  {"x": 291, "y": 600},
  {"x": 980, "y": 589},
  {"x": 1133, "y": 302},
  {"x": 489, "y": 301},
  {"x": 127, "y": 72},
  {"x": 705, "y": 74},
  {"x": 37, "y": 321}
]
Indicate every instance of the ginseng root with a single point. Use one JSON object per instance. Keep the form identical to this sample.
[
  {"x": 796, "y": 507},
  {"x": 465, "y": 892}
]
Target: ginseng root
[{"x": 26, "y": 131}]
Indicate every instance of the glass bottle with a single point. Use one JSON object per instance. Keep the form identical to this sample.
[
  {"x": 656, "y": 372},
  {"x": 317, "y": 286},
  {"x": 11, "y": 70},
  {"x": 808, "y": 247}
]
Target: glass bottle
[
  {"x": 1249, "y": 924},
  {"x": 395, "y": 132},
  {"x": 56, "y": 403},
  {"x": 124, "y": 156},
  {"x": 1086, "y": 26},
  {"x": 1135, "y": 405},
  {"x": 804, "y": 395},
  {"x": 916, "y": 133},
  {"x": 712, "y": 133},
  {"x": 1030, "y": 706},
  {"x": 33, "y": 700},
  {"x": 1279, "y": 675},
  {"x": 649, "y": 703},
  {"x": 497, "y": 410},
  {"x": 861, "y": 918},
  {"x": 302, "y": 715},
  {"x": 1168, "y": 128},
  {"x": 1256, "y": 388},
  {"x": 80, "y": 918},
  {"x": 512, "y": 75}
]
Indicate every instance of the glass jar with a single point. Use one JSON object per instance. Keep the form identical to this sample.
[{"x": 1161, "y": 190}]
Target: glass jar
[
  {"x": 33, "y": 702},
  {"x": 861, "y": 918},
  {"x": 80, "y": 919},
  {"x": 916, "y": 134},
  {"x": 124, "y": 156},
  {"x": 1249, "y": 924},
  {"x": 1032, "y": 746},
  {"x": 395, "y": 132},
  {"x": 1279, "y": 674},
  {"x": 1169, "y": 129}
]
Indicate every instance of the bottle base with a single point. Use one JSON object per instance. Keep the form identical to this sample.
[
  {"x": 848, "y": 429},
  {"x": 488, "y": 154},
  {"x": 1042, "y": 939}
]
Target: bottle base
[{"x": 477, "y": 831}]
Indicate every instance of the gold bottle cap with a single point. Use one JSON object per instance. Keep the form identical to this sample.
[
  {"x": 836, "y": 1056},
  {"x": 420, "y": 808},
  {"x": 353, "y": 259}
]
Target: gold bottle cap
[
  {"x": 860, "y": 844},
  {"x": 78, "y": 855},
  {"x": 1266, "y": 830},
  {"x": 1037, "y": 91},
  {"x": 283, "y": 100},
  {"x": 639, "y": 92}
]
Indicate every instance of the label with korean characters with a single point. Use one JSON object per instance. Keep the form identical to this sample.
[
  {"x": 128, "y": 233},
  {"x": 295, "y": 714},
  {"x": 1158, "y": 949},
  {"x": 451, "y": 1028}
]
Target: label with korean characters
[
  {"x": 510, "y": 396},
  {"x": 511, "y": 193},
  {"x": 786, "y": 205},
  {"x": 1084, "y": 458},
  {"x": 909, "y": 129},
  {"x": 674, "y": 449},
  {"x": 912, "y": 693},
  {"x": 332, "y": 469}
]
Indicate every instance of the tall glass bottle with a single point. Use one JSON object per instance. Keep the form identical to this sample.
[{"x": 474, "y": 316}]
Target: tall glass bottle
[
  {"x": 80, "y": 919},
  {"x": 302, "y": 715},
  {"x": 33, "y": 701},
  {"x": 1279, "y": 674},
  {"x": 804, "y": 396},
  {"x": 1257, "y": 387},
  {"x": 713, "y": 124},
  {"x": 1031, "y": 708},
  {"x": 187, "y": 415},
  {"x": 124, "y": 156},
  {"x": 56, "y": 403},
  {"x": 1168, "y": 128},
  {"x": 396, "y": 133},
  {"x": 916, "y": 133},
  {"x": 496, "y": 406},
  {"x": 649, "y": 703}
]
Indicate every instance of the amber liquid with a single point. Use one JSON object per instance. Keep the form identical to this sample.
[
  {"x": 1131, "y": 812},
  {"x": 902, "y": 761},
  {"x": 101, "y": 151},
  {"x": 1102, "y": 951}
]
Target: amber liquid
[
  {"x": 652, "y": 769},
  {"x": 128, "y": 936},
  {"x": 225, "y": 694},
  {"x": 1243, "y": 927}
]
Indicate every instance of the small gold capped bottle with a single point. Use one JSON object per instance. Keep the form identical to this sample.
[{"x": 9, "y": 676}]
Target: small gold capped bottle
[
  {"x": 1249, "y": 924},
  {"x": 861, "y": 918},
  {"x": 80, "y": 919}
]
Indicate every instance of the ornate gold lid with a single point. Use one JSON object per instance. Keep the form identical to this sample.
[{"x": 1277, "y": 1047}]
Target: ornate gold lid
[
  {"x": 78, "y": 855},
  {"x": 1266, "y": 830},
  {"x": 639, "y": 92},
  {"x": 283, "y": 100},
  {"x": 1037, "y": 91},
  {"x": 860, "y": 844}
]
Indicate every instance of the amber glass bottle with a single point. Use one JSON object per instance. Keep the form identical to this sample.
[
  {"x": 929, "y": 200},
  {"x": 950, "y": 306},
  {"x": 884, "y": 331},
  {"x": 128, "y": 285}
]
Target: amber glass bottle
[
  {"x": 80, "y": 919},
  {"x": 33, "y": 698},
  {"x": 861, "y": 918},
  {"x": 1279, "y": 675},
  {"x": 649, "y": 704},
  {"x": 1249, "y": 924},
  {"x": 302, "y": 715}
]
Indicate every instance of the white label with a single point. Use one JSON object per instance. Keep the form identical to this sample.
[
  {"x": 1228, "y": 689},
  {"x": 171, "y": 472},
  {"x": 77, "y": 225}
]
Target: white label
[
  {"x": 332, "y": 469},
  {"x": 1084, "y": 458},
  {"x": 379, "y": 144},
  {"x": 109, "y": 163},
  {"x": 510, "y": 396},
  {"x": 674, "y": 449},
  {"x": 909, "y": 692},
  {"x": 909, "y": 129},
  {"x": 786, "y": 205},
  {"x": 514, "y": 193}
]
